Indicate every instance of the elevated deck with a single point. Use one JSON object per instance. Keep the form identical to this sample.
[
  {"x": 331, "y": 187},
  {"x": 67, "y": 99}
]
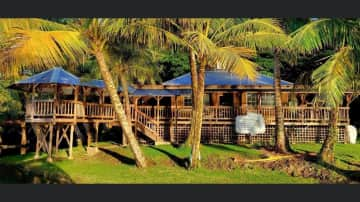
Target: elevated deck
[{"x": 76, "y": 111}]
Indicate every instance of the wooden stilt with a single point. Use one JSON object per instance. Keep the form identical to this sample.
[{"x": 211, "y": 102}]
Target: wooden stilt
[
  {"x": 88, "y": 134},
  {"x": 57, "y": 139},
  {"x": 23, "y": 139},
  {"x": 38, "y": 136},
  {"x": 49, "y": 158},
  {"x": 71, "y": 141},
  {"x": 96, "y": 127}
]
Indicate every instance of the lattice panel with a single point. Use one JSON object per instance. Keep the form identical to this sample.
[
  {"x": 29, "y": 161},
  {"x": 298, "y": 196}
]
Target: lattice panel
[{"x": 218, "y": 133}]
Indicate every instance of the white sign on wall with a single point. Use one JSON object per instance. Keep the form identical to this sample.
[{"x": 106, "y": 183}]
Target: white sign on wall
[{"x": 251, "y": 123}]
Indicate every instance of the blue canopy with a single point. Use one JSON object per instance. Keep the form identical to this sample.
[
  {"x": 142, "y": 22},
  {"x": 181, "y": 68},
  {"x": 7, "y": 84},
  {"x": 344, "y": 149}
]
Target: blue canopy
[
  {"x": 161, "y": 92},
  {"x": 100, "y": 84},
  {"x": 220, "y": 77},
  {"x": 56, "y": 75}
]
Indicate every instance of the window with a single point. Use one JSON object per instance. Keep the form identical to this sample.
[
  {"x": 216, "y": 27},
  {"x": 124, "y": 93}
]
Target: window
[
  {"x": 187, "y": 101},
  {"x": 252, "y": 99},
  {"x": 206, "y": 99},
  {"x": 268, "y": 99}
]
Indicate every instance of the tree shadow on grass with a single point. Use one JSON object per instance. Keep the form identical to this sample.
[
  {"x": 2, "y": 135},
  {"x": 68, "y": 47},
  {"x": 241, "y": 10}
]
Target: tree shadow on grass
[
  {"x": 182, "y": 162},
  {"x": 45, "y": 173},
  {"x": 351, "y": 163},
  {"x": 225, "y": 148},
  {"x": 121, "y": 158},
  {"x": 353, "y": 175}
]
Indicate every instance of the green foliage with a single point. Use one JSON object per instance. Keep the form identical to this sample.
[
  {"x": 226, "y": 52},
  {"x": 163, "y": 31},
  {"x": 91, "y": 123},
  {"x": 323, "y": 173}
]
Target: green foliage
[
  {"x": 266, "y": 63},
  {"x": 173, "y": 64},
  {"x": 10, "y": 104}
]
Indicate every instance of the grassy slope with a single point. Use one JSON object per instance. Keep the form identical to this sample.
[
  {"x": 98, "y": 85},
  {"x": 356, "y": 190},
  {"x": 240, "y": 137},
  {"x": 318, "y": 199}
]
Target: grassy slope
[
  {"x": 345, "y": 154},
  {"x": 114, "y": 165}
]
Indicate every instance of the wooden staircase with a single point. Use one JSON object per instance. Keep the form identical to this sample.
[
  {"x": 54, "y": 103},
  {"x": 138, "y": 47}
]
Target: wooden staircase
[{"x": 146, "y": 125}]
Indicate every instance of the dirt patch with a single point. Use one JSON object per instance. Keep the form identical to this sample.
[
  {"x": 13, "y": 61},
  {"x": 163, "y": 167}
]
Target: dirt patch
[
  {"x": 24, "y": 174},
  {"x": 300, "y": 166},
  {"x": 214, "y": 162}
]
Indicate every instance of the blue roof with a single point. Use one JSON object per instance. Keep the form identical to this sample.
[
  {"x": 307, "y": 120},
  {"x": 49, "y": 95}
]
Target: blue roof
[
  {"x": 161, "y": 92},
  {"x": 100, "y": 84},
  {"x": 220, "y": 77},
  {"x": 56, "y": 75}
]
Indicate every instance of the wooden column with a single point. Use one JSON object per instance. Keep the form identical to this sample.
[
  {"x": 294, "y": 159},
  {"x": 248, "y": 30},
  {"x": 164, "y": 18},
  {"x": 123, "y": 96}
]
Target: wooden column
[
  {"x": 157, "y": 109},
  {"x": 96, "y": 127},
  {"x": 348, "y": 97},
  {"x": 259, "y": 102},
  {"x": 243, "y": 96},
  {"x": 23, "y": 139},
  {"x": 49, "y": 158},
  {"x": 76, "y": 98},
  {"x": 57, "y": 139},
  {"x": 37, "y": 133},
  {"x": 135, "y": 112},
  {"x": 71, "y": 141}
]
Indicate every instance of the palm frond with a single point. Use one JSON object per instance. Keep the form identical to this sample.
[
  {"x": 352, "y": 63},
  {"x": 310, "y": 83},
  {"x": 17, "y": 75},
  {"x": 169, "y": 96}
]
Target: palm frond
[
  {"x": 251, "y": 25},
  {"x": 322, "y": 33},
  {"x": 231, "y": 60},
  {"x": 334, "y": 77},
  {"x": 261, "y": 40},
  {"x": 34, "y": 48},
  {"x": 8, "y": 24}
]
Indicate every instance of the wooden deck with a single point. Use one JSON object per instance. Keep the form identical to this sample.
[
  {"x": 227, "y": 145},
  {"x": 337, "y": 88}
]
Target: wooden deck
[{"x": 70, "y": 111}]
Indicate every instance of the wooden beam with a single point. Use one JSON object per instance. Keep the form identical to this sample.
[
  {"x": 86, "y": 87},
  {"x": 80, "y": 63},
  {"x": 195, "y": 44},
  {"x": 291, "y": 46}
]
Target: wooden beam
[
  {"x": 96, "y": 127},
  {"x": 37, "y": 132},
  {"x": 23, "y": 142},
  {"x": 71, "y": 141},
  {"x": 49, "y": 158}
]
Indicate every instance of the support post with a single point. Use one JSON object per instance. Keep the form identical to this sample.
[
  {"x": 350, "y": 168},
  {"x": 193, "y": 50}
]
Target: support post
[
  {"x": 49, "y": 158},
  {"x": 37, "y": 133},
  {"x": 96, "y": 126},
  {"x": 157, "y": 109},
  {"x": 71, "y": 141},
  {"x": 23, "y": 139},
  {"x": 57, "y": 139}
]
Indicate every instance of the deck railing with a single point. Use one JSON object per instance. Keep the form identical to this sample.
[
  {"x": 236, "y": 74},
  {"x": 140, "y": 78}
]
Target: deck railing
[{"x": 68, "y": 109}]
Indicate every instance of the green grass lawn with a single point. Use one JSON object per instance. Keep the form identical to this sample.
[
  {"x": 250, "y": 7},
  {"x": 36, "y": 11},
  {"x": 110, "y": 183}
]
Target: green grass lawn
[{"x": 114, "y": 164}]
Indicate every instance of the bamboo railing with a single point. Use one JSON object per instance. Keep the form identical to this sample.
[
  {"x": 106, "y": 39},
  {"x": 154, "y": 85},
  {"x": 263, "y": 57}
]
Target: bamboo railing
[{"x": 67, "y": 109}]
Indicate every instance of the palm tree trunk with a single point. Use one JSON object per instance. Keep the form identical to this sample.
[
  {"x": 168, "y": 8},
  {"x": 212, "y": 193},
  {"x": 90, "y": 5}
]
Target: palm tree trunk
[
  {"x": 281, "y": 143},
  {"x": 124, "y": 86},
  {"x": 199, "y": 98},
  {"x": 194, "y": 87},
  {"x": 119, "y": 110},
  {"x": 327, "y": 150}
]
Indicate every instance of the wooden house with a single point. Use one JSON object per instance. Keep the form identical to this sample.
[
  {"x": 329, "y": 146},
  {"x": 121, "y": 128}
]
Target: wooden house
[{"x": 57, "y": 103}]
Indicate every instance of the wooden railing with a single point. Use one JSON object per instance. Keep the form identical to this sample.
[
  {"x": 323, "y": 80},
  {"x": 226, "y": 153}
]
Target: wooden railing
[
  {"x": 146, "y": 121},
  {"x": 105, "y": 111},
  {"x": 67, "y": 109}
]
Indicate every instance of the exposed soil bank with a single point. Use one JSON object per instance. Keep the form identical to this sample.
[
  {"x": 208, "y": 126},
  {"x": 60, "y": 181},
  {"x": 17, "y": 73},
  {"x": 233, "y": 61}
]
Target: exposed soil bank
[{"x": 17, "y": 174}]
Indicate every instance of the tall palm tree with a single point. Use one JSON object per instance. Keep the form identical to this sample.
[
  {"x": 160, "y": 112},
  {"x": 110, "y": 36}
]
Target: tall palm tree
[
  {"x": 275, "y": 42},
  {"x": 333, "y": 78},
  {"x": 132, "y": 63},
  {"x": 41, "y": 43},
  {"x": 224, "y": 43}
]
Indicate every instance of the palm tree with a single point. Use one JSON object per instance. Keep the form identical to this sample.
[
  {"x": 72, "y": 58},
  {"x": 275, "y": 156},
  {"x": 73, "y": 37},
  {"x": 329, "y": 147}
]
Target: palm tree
[
  {"x": 337, "y": 74},
  {"x": 275, "y": 42},
  {"x": 219, "y": 42},
  {"x": 132, "y": 63},
  {"x": 41, "y": 43}
]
